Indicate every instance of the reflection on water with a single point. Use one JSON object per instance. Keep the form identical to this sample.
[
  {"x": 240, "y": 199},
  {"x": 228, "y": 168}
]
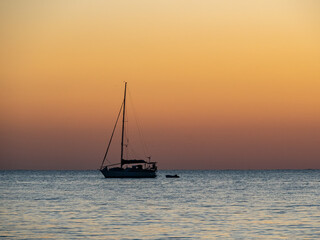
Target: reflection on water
[{"x": 200, "y": 204}]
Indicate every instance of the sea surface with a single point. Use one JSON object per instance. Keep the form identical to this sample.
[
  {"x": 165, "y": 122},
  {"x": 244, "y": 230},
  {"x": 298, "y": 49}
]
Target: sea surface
[{"x": 281, "y": 204}]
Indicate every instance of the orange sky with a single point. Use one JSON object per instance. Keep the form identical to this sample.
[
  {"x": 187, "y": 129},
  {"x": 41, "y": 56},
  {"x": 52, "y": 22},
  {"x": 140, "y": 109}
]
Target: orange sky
[{"x": 216, "y": 84}]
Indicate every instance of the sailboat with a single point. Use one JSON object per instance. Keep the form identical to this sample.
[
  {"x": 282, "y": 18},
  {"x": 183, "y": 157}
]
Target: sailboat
[{"x": 127, "y": 168}]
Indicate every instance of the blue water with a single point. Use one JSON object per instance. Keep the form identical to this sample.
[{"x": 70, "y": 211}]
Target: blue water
[{"x": 198, "y": 205}]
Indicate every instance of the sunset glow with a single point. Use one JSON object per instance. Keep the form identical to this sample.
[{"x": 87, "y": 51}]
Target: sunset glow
[{"x": 216, "y": 84}]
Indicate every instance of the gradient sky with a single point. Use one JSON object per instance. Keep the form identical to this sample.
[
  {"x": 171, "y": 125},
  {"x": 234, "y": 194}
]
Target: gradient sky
[{"x": 216, "y": 84}]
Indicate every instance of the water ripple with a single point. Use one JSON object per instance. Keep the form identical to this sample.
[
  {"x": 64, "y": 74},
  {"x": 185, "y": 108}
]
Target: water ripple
[{"x": 199, "y": 205}]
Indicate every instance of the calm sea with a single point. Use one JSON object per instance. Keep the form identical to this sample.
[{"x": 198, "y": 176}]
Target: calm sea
[{"x": 198, "y": 205}]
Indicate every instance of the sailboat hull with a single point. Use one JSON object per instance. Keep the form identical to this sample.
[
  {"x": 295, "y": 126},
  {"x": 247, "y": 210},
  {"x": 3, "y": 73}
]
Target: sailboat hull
[{"x": 128, "y": 173}]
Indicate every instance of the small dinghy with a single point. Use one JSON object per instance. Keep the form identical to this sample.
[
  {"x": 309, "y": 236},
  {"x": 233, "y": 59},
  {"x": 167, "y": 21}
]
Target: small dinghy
[{"x": 172, "y": 176}]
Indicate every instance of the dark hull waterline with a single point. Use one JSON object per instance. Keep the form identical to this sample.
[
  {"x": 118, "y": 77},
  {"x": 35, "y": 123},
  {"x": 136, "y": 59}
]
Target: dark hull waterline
[{"x": 129, "y": 174}]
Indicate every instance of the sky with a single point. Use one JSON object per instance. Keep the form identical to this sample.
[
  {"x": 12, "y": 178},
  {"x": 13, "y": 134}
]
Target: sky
[{"x": 215, "y": 84}]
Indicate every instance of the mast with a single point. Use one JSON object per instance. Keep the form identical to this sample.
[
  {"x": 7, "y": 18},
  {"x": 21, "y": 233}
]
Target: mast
[{"x": 123, "y": 118}]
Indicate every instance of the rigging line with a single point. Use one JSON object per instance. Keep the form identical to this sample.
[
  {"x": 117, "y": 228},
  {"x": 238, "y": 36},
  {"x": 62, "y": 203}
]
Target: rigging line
[
  {"x": 105, "y": 155},
  {"x": 142, "y": 140},
  {"x": 144, "y": 145}
]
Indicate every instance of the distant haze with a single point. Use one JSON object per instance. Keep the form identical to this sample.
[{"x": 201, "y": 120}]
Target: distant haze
[{"x": 215, "y": 84}]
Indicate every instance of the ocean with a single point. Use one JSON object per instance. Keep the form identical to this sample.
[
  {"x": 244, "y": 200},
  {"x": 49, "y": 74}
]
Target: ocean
[{"x": 274, "y": 204}]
